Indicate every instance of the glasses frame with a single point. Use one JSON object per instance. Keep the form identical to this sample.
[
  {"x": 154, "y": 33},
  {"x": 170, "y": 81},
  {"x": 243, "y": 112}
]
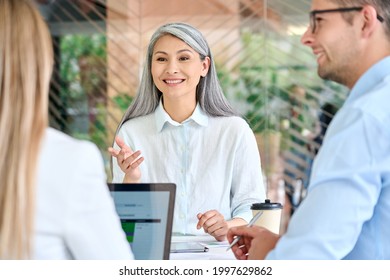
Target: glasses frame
[{"x": 339, "y": 10}]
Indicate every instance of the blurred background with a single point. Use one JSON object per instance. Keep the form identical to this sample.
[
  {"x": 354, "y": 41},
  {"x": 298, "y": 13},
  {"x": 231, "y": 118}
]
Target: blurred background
[{"x": 266, "y": 73}]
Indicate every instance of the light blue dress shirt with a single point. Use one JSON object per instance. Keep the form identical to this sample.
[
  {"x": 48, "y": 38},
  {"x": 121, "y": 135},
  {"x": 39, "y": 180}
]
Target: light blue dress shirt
[
  {"x": 346, "y": 214},
  {"x": 214, "y": 162}
]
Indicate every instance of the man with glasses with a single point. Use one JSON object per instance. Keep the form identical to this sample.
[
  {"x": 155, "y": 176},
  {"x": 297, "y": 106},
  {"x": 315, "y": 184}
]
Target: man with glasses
[{"x": 346, "y": 214}]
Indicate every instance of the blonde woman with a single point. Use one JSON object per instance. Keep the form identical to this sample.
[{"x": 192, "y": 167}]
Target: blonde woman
[{"x": 54, "y": 202}]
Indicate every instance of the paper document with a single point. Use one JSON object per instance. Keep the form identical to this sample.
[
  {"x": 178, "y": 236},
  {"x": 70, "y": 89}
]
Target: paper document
[
  {"x": 215, "y": 244},
  {"x": 188, "y": 247}
]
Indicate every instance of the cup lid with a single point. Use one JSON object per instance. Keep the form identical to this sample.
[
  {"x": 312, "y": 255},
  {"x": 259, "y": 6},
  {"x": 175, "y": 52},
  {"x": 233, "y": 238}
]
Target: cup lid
[{"x": 266, "y": 205}]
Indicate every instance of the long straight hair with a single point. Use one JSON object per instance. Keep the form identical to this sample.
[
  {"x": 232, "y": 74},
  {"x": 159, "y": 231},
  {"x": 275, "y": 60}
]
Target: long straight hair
[
  {"x": 26, "y": 59},
  {"x": 209, "y": 93}
]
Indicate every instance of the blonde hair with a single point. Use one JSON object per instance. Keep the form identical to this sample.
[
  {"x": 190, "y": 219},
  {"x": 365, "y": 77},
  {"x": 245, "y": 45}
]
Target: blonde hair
[{"x": 26, "y": 60}]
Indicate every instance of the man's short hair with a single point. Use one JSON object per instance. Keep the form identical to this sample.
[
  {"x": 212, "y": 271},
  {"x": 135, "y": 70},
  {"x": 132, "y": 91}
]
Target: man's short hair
[{"x": 382, "y": 7}]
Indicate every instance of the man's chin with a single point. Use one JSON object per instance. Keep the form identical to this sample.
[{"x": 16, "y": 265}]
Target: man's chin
[
  {"x": 324, "y": 73},
  {"x": 331, "y": 76}
]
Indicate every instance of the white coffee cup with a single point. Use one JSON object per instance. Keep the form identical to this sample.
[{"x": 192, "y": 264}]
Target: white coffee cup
[{"x": 272, "y": 214}]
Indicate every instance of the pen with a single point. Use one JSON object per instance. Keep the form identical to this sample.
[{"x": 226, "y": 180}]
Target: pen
[{"x": 251, "y": 223}]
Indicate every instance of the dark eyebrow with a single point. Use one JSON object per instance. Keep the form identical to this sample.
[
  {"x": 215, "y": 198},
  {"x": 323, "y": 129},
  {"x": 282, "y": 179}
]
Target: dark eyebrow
[{"x": 178, "y": 52}]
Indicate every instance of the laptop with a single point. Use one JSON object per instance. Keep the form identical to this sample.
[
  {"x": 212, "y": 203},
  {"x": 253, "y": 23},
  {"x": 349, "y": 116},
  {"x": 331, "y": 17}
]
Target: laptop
[{"x": 146, "y": 215}]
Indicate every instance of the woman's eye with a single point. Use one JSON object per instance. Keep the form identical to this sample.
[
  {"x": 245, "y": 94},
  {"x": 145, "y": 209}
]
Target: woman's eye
[
  {"x": 160, "y": 59},
  {"x": 184, "y": 58}
]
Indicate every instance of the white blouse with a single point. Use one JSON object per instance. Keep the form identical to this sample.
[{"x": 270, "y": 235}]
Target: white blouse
[{"x": 75, "y": 215}]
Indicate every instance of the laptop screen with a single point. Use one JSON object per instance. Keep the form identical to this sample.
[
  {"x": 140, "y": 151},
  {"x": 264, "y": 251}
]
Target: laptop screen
[{"x": 146, "y": 214}]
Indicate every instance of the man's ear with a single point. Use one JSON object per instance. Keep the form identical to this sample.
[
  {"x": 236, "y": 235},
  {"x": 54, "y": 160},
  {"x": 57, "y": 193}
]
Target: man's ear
[{"x": 370, "y": 20}]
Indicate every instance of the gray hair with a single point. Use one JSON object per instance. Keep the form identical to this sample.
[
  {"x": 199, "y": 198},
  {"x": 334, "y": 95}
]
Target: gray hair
[
  {"x": 209, "y": 93},
  {"x": 382, "y": 7}
]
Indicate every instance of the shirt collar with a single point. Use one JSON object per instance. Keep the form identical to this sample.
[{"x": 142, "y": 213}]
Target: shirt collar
[
  {"x": 370, "y": 79},
  {"x": 162, "y": 117}
]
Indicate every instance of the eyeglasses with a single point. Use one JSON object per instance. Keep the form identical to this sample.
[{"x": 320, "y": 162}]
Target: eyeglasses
[{"x": 340, "y": 10}]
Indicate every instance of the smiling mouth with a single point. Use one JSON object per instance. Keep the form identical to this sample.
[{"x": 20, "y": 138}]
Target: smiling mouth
[
  {"x": 173, "y": 82},
  {"x": 318, "y": 55}
]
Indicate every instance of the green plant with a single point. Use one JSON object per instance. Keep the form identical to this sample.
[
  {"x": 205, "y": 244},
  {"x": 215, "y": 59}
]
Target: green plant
[
  {"x": 86, "y": 49},
  {"x": 123, "y": 101},
  {"x": 82, "y": 74},
  {"x": 260, "y": 95}
]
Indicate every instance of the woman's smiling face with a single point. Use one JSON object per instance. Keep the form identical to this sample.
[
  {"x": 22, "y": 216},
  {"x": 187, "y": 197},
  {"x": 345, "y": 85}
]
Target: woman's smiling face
[{"x": 177, "y": 68}]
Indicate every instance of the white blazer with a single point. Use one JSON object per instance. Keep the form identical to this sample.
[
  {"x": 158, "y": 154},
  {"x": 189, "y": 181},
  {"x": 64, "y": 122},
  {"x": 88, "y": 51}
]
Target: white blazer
[{"x": 75, "y": 215}]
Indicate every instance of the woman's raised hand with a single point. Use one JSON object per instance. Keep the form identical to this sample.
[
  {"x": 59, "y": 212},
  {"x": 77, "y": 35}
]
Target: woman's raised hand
[{"x": 127, "y": 160}]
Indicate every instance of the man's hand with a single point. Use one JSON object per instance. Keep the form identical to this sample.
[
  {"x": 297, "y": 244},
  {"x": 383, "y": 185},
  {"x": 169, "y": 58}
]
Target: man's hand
[{"x": 254, "y": 244}]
